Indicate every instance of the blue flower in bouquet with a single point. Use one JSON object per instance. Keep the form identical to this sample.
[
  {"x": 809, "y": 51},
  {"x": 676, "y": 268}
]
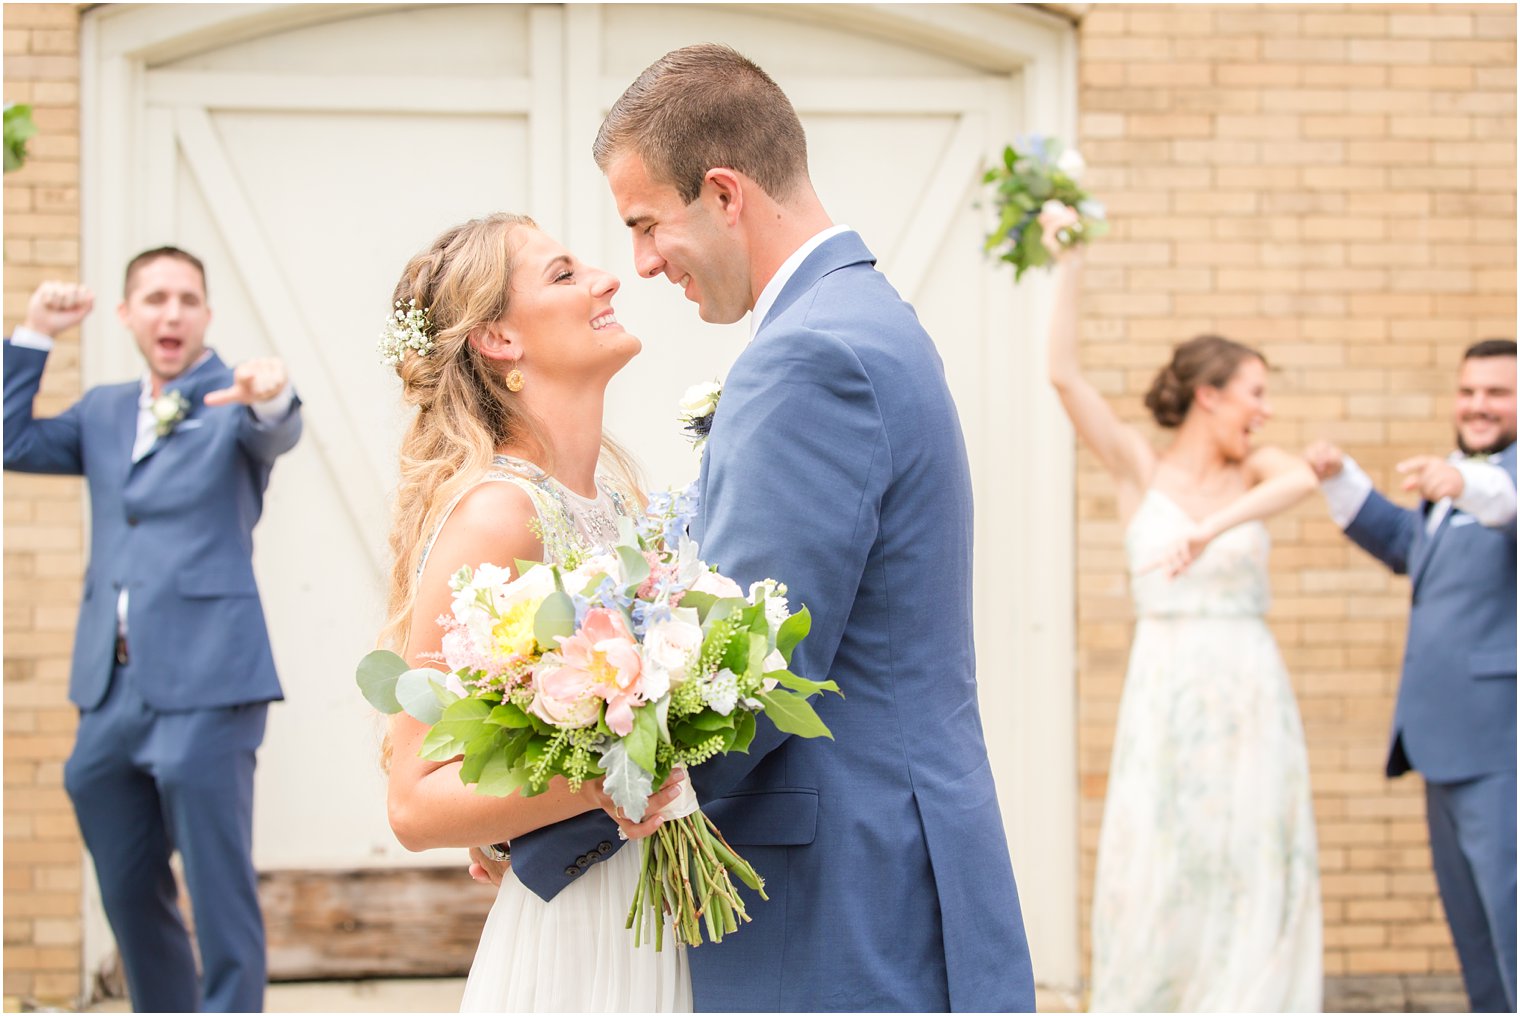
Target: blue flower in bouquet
[{"x": 608, "y": 595}]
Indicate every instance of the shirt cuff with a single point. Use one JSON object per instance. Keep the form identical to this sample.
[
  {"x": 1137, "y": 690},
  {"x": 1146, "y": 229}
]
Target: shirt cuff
[
  {"x": 1346, "y": 492},
  {"x": 274, "y": 409},
  {"x": 1488, "y": 494},
  {"x": 28, "y": 339}
]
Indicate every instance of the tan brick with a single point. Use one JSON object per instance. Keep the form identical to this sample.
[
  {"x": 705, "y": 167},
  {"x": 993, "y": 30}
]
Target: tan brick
[
  {"x": 1475, "y": 52},
  {"x": 1171, "y": 21}
]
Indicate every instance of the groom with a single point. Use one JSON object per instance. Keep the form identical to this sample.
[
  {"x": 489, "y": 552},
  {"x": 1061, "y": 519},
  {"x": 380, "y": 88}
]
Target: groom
[{"x": 836, "y": 465}]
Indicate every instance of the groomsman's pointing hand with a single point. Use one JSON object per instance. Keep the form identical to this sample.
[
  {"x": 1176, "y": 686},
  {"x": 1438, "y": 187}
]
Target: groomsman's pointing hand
[{"x": 254, "y": 381}]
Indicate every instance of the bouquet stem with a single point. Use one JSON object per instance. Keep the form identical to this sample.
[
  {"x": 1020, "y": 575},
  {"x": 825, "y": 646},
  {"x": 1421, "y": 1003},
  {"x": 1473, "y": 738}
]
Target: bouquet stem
[{"x": 685, "y": 871}]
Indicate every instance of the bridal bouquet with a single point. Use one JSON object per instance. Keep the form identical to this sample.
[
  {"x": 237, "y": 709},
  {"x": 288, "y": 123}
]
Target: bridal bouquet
[
  {"x": 618, "y": 665},
  {"x": 1036, "y": 185}
]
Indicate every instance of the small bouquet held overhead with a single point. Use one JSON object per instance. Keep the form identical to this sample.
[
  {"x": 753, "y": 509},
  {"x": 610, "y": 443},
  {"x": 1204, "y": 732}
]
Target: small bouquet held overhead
[
  {"x": 1037, "y": 188},
  {"x": 619, "y": 666}
]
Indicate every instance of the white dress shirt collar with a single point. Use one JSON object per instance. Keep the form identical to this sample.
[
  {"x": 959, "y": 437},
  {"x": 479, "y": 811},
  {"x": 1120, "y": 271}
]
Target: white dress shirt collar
[{"x": 784, "y": 274}]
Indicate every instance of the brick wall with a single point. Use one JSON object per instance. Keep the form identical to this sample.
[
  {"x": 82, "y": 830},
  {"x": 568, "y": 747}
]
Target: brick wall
[
  {"x": 44, "y": 551},
  {"x": 1336, "y": 185}
]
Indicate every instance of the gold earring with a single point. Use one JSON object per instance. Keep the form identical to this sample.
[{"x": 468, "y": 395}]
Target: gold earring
[{"x": 514, "y": 380}]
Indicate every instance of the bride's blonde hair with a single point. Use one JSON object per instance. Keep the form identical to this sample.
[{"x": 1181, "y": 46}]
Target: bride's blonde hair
[{"x": 464, "y": 410}]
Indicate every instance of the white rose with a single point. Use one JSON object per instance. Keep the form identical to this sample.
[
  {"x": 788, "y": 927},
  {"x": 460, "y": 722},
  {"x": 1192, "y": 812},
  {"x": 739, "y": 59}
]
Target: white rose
[
  {"x": 1072, "y": 164},
  {"x": 700, "y": 399},
  {"x": 671, "y": 645}
]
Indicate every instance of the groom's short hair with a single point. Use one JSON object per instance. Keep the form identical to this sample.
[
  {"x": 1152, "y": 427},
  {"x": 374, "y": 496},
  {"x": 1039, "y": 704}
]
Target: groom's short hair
[{"x": 704, "y": 107}]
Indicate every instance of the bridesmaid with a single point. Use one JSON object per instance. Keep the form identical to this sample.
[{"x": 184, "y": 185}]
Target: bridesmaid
[{"x": 1207, "y": 889}]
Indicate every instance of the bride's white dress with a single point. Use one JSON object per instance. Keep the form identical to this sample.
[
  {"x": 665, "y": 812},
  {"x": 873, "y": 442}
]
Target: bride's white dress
[
  {"x": 1207, "y": 888},
  {"x": 573, "y": 953}
]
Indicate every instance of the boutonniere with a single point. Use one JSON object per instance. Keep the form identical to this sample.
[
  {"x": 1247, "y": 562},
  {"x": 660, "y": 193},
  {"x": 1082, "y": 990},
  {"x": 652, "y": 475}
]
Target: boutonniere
[
  {"x": 168, "y": 410},
  {"x": 697, "y": 408}
]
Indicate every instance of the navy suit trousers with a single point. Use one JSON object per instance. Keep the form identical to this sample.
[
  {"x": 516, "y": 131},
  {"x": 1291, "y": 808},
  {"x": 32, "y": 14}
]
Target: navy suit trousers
[
  {"x": 1472, "y": 841},
  {"x": 145, "y": 783}
]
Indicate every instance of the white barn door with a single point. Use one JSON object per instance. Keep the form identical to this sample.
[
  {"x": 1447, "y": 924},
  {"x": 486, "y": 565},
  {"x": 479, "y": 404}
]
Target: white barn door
[{"x": 306, "y": 152}]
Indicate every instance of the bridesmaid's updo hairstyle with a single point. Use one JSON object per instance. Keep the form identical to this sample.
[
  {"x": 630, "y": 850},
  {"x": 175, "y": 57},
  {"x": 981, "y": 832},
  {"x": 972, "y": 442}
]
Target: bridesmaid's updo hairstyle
[{"x": 1206, "y": 360}]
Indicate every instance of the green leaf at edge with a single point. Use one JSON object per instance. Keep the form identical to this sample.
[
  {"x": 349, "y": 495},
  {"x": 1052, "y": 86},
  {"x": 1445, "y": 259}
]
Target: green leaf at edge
[
  {"x": 555, "y": 617},
  {"x": 792, "y": 631},
  {"x": 377, "y": 676},
  {"x": 792, "y": 715}
]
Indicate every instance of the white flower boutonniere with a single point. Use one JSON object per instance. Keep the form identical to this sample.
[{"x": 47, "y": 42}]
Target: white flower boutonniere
[
  {"x": 168, "y": 410},
  {"x": 697, "y": 408}
]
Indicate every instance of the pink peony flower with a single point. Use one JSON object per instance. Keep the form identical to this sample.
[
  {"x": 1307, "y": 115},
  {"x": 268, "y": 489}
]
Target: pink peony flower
[{"x": 600, "y": 661}]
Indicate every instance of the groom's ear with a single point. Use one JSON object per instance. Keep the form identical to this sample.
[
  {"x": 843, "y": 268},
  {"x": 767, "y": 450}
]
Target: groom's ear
[
  {"x": 726, "y": 189},
  {"x": 495, "y": 342}
]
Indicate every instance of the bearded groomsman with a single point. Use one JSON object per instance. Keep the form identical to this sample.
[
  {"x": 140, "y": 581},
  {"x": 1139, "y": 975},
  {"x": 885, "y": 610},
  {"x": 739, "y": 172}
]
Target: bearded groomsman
[
  {"x": 172, "y": 670},
  {"x": 1455, "y": 717}
]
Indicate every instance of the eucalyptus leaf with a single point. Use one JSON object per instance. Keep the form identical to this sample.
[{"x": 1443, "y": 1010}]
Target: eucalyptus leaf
[
  {"x": 792, "y": 715},
  {"x": 555, "y": 617},
  {"x": 523, "y": 567},
  {"x": 626, "y": 782},
  {"x": 414, "y": 691},
  {"x": 635, "y": 566},
  {"x": 702, "y": 602},
  {"x": 377, "y": 676}
]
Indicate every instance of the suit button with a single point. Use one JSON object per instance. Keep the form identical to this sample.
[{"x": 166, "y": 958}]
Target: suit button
[
  {"x": 131, "y": 522},
  {"x": 583, "y": 860},
  {"x": 604, "y": 848},
  {"x": 572, "y": 871}
]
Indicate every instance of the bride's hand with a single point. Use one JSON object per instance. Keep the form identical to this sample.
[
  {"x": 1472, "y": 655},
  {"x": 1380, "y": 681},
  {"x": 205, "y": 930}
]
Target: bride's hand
[
  {"x": 667, "y": 793},
  {"x": 1181, "y": 553},
  {"x": 484, "y": 869},
  {"x": 1053, "y": 218}
]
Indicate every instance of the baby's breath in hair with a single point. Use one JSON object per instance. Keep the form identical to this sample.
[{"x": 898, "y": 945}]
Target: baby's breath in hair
[{"x": 408, "y": 328}]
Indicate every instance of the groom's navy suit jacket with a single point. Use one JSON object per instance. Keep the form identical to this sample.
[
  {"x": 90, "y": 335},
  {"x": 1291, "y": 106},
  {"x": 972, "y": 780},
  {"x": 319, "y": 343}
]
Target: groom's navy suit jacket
[
  {"x": 1455, "y": 716},
  {"x": 174, "y": 528},
  {"x": 836, "y": 464}
]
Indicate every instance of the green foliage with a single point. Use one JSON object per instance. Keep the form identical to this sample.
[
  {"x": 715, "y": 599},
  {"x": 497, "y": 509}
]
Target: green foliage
[
  {"x": 377, "y": 676},
  {"x": 19, "y": 129},
  {"x": 555, "y": 617},
  {"x": 792, "y": 714},
  {"x": 1027, "y": 179}
]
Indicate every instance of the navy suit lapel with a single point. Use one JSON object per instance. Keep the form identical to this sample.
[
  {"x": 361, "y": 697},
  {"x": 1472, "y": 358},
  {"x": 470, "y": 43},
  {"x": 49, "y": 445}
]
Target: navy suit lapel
[
  {"x": 193, "y": 385},
  {"x": 833, "y": 254},
  {"x": 1425, "y": 545}
]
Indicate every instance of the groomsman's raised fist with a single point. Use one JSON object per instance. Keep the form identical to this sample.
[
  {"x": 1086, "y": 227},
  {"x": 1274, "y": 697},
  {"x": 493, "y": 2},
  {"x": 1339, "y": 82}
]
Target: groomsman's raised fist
[
  {"x": 56, "y": 307},
  {"x": 252, "y": 381}
]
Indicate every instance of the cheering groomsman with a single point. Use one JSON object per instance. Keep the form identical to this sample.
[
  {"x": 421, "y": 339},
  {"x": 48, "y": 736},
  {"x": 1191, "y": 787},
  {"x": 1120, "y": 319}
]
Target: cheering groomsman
[
  {"x": 172, "y": 670},
  {"x": 1455, "y": 717}
]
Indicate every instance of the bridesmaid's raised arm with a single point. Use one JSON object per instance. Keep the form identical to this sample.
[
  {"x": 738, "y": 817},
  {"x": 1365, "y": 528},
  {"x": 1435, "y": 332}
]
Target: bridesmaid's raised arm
[{"x": 1122, "y": 449}]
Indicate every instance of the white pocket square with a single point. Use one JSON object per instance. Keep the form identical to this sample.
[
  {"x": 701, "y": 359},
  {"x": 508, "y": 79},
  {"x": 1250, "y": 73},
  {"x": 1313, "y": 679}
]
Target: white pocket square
[{"x": 1462, "y": 520}]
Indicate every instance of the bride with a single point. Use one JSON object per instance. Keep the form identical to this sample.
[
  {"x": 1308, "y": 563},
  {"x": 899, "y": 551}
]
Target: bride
[
  {"x": 1207, "y": 889},
  {"x": 506, "y": 346}
]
